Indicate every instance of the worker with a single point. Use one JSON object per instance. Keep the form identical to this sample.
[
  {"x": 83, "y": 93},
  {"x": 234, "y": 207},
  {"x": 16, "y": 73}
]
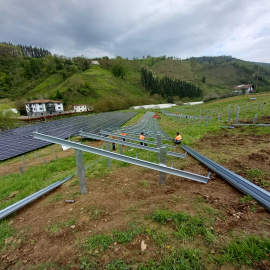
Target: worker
[
  {"x": 177, "y": 139},
  {"x": 142, "y": 137},
  {"x": 123, "y": 139}
]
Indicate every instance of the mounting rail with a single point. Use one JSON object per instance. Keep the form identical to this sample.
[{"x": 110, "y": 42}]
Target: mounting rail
[{"x": 259, "y": 194}]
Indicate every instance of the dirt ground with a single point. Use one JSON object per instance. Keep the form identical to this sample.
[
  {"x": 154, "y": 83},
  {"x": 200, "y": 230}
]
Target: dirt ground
[{"x": 130, "y": 193}]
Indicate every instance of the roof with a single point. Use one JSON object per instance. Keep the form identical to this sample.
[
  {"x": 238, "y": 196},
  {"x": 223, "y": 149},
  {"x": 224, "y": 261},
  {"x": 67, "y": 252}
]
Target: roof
[
  {"x": 44, "y": 101},
  {"x": 154, "y": 106},
  {"x": 79, "y": 105},
  {"x": 245, "y": 86}
]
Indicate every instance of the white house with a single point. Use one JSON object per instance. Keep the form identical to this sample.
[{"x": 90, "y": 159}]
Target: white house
[
  {"x": 44, "y": 107},
  {"x": 80, "y": 108},
  {"x": 243, "y": 89}
]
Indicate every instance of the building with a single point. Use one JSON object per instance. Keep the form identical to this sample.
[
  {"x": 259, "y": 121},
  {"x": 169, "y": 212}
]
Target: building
[
  {"x": 243, "y": 89},
  {"x": 37, "y": 108},
  {"x": 80, "y": 108}
]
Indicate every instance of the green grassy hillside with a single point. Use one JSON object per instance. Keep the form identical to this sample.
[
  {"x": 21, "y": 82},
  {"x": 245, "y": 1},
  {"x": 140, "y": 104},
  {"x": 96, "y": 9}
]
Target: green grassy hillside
[{"x": 77, "y": 80}]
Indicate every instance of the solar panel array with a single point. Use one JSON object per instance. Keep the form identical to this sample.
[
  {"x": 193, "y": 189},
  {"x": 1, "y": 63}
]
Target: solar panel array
[
  {"x": 18, "y": 141},
  {"x": 148, "y": 125}
]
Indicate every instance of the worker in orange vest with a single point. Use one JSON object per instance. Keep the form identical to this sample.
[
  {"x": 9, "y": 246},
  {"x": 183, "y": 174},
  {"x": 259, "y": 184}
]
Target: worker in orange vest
[
  {"x": 177, "y": 139},
  {"x": 124, "y": 139},
  {"x": 142, "y": 137}
]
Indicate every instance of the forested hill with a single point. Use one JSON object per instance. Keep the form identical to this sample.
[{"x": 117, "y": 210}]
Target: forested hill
[{"x": 28, "y": 72}]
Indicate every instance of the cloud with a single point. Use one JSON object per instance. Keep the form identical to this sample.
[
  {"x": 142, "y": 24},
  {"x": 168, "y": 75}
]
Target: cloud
[{"x": 139, "y": 28}]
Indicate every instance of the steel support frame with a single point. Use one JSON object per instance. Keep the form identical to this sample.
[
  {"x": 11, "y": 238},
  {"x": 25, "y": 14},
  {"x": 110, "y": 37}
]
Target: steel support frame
[
  {"x": 135, "y": 161},
  {"x": 106, "y": 139}
]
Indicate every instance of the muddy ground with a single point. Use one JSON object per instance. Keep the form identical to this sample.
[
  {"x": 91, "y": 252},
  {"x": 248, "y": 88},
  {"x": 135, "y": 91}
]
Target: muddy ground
[{"x": 129, "y": 194}]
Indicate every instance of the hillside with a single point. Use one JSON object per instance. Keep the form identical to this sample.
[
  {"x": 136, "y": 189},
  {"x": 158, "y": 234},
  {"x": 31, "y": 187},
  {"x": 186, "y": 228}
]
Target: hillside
[{"x": 35, "y": 73}]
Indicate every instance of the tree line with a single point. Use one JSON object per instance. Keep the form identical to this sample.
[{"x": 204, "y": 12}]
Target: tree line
[
  {"x": 26, "y": 51},
  {"x": 167, "y": 87}
]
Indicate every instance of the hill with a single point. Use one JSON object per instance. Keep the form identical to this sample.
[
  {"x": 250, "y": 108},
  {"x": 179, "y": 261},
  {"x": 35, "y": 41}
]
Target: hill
[{"x": 31, "y": 73}]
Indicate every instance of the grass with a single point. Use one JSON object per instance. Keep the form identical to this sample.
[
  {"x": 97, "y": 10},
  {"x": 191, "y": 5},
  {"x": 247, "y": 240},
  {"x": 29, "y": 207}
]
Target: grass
[
  {"x": 6, "y": 231},
  {"x": 257, "y": 176},
  {"x": 185, "y": 225},
  {"x": 245, "y": 250}
]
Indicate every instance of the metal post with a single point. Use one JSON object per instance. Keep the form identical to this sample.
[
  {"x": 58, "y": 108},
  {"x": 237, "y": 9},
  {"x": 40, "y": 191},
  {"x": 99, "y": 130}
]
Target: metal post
[
  {"x": 163, "y": 161},
  {"x": 24, "y": 163},
  {"x": 255, "y": 119},
  {"x": 229, "y": 116},
  {"x": 21, "y": 169},
  {"x": 158, "y": 145},
  {"x": 107, "y": 147},
  {"x": 81, "y": 171},
  {"x": 263, "y": 105},
  {"x": 37, "y": 155},
  {"x": 237, "y": 115},
  {"x": 207, "y": 119},
  {"x": 44, "y": 161},
  {"x": 229, "y": 106}
]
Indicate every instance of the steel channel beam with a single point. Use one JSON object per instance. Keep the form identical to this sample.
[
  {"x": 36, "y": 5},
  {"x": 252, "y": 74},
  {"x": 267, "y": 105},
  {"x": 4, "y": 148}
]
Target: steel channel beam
[
  {"x": 259, "y": 194},
  {"x": 16, "y": 206},
  {"x": 135, "y": 161},
  {"x": 156, "y": 150},
  {"x": 134, "y": 139}
]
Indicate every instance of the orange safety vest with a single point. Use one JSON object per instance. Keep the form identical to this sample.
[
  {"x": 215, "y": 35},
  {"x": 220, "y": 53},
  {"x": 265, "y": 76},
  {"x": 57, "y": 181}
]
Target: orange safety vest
[
  {"x": 178, "y": 138},
  {"x": 142, "y": 137},
  {"x": 123, "y": 134}
]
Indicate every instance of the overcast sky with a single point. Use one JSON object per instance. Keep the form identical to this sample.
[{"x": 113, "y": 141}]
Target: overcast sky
[{"x": 137, "y": 28}]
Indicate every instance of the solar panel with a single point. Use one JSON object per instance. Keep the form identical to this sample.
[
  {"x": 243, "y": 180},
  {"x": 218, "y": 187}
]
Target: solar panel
[{"x": 18, "y": 141}]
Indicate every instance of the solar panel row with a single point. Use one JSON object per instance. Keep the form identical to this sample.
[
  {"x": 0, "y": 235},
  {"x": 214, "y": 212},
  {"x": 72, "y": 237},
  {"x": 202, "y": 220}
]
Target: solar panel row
[{"x": 20, "y": 140}]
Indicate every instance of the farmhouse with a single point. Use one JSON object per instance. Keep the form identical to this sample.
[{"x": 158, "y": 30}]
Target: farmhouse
[
  {"x": 80, "y": 108},
  {"x": 243, "y": 89},
  {"x": 43, "y": 107}
]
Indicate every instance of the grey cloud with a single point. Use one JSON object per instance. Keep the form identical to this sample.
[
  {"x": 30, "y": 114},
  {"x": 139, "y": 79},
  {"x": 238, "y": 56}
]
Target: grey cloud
[{"x": 179, "y": 28}]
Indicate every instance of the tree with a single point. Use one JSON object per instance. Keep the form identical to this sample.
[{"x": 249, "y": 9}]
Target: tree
[
  {"x": 20, "y": 106},
  {"x": 203, "y": 79},
  {"x": 7, "y": 119},
  {"x": 118, "y": 70}
]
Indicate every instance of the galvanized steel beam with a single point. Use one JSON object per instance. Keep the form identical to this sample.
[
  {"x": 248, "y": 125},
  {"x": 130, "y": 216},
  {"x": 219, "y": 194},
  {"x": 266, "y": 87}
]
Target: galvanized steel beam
[
  {"x": 259, "y": 194},
  {"x": 157, "y": 150},
  {"x": 135, "y": 161},
  {"x": 16, "y": 206}
]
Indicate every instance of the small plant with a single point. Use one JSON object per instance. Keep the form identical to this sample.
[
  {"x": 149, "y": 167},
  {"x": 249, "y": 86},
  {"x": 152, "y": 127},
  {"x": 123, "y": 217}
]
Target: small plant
[
  {"x": 98, "y": 241},
  {"x": 5, "y": 232},
  {"x": 117, "y": 265},
  {"x": 246, "y": 198},
  {"x": 126, "y": 236},
  {"x": 257, "y": 176}
]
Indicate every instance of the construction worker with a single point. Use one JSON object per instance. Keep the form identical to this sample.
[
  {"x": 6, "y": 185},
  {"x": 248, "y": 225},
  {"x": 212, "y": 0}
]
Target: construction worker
[
  {"x": 177, "y": 139},
  {"x": 142, "y": 137},
  {"x": 124, "y": 139}
]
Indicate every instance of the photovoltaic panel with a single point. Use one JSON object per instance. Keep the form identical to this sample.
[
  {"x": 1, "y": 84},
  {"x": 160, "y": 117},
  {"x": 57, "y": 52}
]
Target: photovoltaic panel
[{"x": 18, "y": 141}]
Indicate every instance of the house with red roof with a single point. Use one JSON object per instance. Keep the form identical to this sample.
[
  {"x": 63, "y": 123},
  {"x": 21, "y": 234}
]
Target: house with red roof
[{"x": 37, "y": 108}]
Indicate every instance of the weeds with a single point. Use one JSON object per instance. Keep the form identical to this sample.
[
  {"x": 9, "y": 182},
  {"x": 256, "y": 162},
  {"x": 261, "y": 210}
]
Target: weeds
[
  {"x": 5, "y": 232},
  {"x": 186, "y": 226},
  {"x": 246, "y": 250}
]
